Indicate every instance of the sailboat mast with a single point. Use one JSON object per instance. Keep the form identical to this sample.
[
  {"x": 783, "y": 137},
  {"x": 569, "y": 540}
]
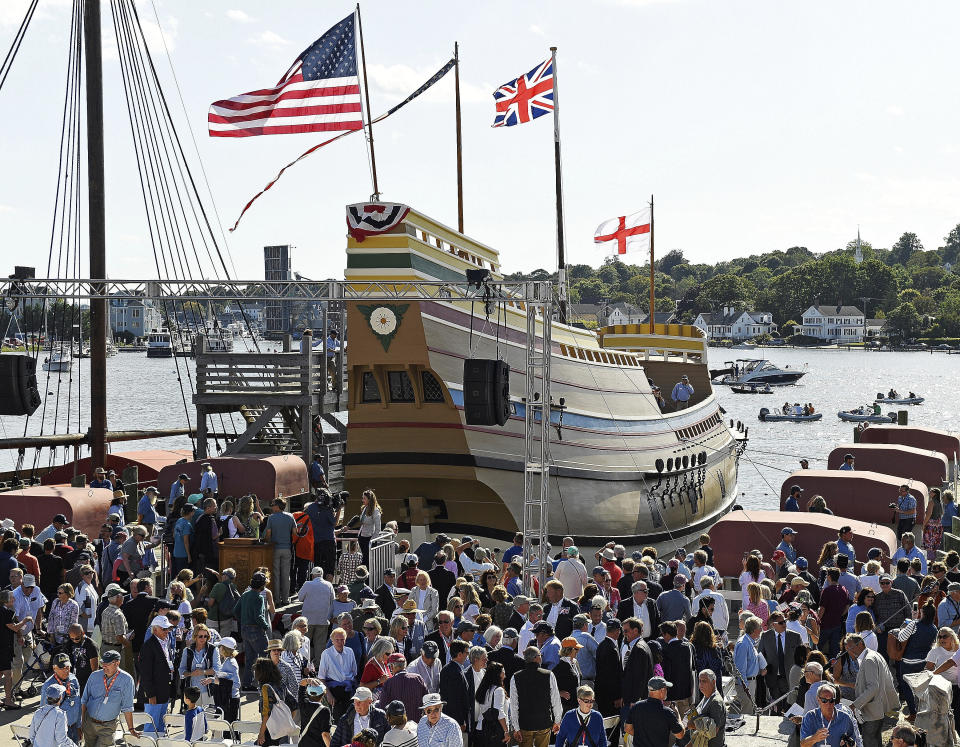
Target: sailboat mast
[
  {"x": 97, "y": 232},
  {"x": 652, "y": 271}
]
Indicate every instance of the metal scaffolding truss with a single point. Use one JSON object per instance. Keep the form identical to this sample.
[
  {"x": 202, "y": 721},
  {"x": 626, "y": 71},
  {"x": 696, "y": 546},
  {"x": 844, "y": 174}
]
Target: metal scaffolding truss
[{"x": 533, "y": 297}]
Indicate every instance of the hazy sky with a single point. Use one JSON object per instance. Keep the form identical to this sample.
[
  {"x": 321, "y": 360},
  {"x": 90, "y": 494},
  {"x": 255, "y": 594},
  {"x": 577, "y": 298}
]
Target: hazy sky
[{"x": 757, "y": 125}]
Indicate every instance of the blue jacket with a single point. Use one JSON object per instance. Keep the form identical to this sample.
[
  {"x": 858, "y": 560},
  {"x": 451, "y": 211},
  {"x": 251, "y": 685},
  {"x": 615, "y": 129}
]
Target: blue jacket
[{"x": 570, "y": 725}]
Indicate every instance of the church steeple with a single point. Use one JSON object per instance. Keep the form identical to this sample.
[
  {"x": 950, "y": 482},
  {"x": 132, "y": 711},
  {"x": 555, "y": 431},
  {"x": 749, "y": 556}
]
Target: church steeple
[{"x": 858, "y": 254}]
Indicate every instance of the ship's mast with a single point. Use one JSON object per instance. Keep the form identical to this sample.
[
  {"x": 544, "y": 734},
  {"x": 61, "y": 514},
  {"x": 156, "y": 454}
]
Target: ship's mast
[
  {"x": 97, "y": 232},
  {"x": 652, "y": 328}
]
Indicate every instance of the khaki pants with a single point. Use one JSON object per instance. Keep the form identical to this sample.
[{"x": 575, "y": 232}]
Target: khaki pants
[
  {"x": 98, "y": 735},
  {"x": 21, "y": 655},
  {"x": 746, "y": 697},
  {"x": 539, "y": 738},
  {"x": 318, "y": 640}
]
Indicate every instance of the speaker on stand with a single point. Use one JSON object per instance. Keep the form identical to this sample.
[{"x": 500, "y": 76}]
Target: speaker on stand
[{"x": 486, "y": 391}]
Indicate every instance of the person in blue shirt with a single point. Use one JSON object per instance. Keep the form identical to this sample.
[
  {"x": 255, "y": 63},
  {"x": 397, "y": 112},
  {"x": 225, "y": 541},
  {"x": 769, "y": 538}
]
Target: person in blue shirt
[
  {"x": 748, "y": 663},
  {"x": 786, "y": 543},
  {"x": 100, "y": 480},
  {"x": 847, "y": 462},
  {"x": 318, "y": 478},
  {"x": 582, "y": 725},
  {"x": 844, "y": 546},
  {"x": 178, "y": 488},
  {"x": 194, "y": 717},
  {"x": 949, "y": 510},
  {"x": 906, "y": 508},
  {"x": 793, "y": 500},
  {"x": 108, "y": 693},
  {"x": 830, "y": 722},
  {"x": 514, "y": 550},
  {"x": 908, "y": 549},
  {"x": 548, "y": 644},
  {"x": 682, "y": 392},
  {"x": 182, "y": 532},
  {"x": 70, "y": 704},
  {"x": 146, "y": 513},
  {"x": 208, "y": 479}
]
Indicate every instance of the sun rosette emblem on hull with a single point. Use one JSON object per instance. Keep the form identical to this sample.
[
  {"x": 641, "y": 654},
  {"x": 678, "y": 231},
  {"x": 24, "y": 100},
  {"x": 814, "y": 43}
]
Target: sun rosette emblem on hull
[{"x": 384, "y": 321}]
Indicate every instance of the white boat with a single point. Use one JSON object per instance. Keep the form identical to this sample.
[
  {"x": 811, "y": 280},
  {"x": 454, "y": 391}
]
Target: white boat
[
  {"x": 59, "y": 360},
  {"x": 866, "y": 415},
  {"x": 159, "y": 344},
  {"x": 758, "y": 371},
  {"x": 911, "y": 400}
]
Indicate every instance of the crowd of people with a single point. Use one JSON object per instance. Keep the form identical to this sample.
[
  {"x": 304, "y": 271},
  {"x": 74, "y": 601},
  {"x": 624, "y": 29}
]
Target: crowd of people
[{"x": 444, "y": 648}]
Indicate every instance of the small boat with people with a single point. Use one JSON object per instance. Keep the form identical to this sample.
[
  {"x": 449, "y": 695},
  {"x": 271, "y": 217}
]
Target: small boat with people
[
  {"x": 805, "y": 416},
  {"x": 756, "y": 371},
  {"x": 751, "y": 389},
  {"x": 893, "y": 398},
  {"x": 864, "y": 414},
  {"x": 59, "y": 361}
]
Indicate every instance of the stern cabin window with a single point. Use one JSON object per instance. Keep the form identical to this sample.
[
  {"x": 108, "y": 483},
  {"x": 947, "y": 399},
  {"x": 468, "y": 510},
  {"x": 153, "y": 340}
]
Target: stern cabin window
[
  {"x": 371, "y": 392},
  {"x": 432, "y": 391},
  {"x": 401, "y": 388}
]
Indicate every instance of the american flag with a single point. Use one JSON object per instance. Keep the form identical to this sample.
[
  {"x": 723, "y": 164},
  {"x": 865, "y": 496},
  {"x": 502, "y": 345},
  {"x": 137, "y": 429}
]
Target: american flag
[
  {"x": 525, "y": 98},
  {"x": 320, "y": 93}
]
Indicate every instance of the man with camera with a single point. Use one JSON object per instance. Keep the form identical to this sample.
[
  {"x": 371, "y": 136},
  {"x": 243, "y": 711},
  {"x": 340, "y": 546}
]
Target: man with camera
[{"x": 829, "y": 724}]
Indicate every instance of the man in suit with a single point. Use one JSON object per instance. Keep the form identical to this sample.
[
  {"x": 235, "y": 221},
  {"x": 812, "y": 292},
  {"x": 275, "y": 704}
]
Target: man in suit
[
  {"x": 441, "y": 578},
  {"x": 507, "y": 654},
  {"x": 874, "y": 691},
  {"x": 385, "y": 592},
  {"x": 642, "y": 607},
  {"x": 778, "y": 646},
  {"x": 521, "y": 606},
  {"x": 443, "y": 636},
  {"x": 678, "y": 667},
  {"x": 609, "y": 680},
  {"x": 139, "y": 610},
  {"x": 637, "y": 664},
  {"x": 559, "y": 611},
  {"x": 156, "y": 672},
  {"x": 456, "y": 689}
]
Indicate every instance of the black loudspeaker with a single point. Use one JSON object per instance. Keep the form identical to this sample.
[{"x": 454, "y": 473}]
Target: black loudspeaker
[
  {"x": 486, "y": 391},
  {"x": 18, "y": 385}
]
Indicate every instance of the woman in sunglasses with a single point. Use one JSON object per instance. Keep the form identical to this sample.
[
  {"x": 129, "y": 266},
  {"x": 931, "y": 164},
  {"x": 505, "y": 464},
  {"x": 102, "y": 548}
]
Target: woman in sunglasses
[
  {"x": 582, "y": 725},
  {"x": 199, "y": 663}
]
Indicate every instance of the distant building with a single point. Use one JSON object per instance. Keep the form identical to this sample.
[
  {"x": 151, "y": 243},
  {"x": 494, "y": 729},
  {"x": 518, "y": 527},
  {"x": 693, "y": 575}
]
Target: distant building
[
  {"x": 840, "y": 323},
  {"x": 730, "y": 324},
  {"x": 877, "y": 328},
  {"x": 134, "y": 316},
  {"x": 625, "y": 313},
  {"x": 276, "y": 266}
]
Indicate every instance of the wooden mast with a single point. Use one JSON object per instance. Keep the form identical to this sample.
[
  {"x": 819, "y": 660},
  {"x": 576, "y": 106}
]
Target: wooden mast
[
  {"x": 456, "y": 80},
  {"x": 561, "y": 260},
  {"x": 652, "y": 327},
  {"x": 97, "y": 232},
  {"x": 366, "y": 91}
]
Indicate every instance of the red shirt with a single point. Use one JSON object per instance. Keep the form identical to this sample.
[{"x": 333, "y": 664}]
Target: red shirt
[
  {"x": 616, "y": 573},
  {"x": 29, "y": 562},
  {"x": 833, "y": 606}
]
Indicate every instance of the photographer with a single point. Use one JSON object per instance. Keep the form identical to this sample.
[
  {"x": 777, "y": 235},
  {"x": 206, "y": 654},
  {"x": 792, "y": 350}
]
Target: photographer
[
  {"x": 830, "y": 724},
  {"x": 323, "y": 513}
]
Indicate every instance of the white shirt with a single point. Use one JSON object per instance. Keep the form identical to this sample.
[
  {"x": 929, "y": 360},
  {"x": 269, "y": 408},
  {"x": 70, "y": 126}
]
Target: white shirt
[
  {"x": 337, "y": 665},
  {"x": 514, "y": 711},
  {"x": 747, "y": 578},
  {"x": 721, "y": 613},
  {"x": 870, "y": 582},
  {"x": 572, "y": 574},
  {"x": 208, "y": 480},
  {"x": 87, "y": 598},
  {"x": 599, "y": 631},
  {"x": 938, "y": 655},
  {"x": 797, "y": 627},
  {"x": 641, "y": 612},
  {"x": 870, "y": 640},
  {"x": 28, "y": 605},
  {"x": 471, "y": 566},
  {"x": 553, "y": 614},
  {"x": 526, "y": 635},
  {"x": 477, "y": 707}
]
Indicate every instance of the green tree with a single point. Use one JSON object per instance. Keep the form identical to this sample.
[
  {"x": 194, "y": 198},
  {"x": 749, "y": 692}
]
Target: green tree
[
  {"x": 907, "y": 245},
  {"x": 591, "y": 290},
  {"x": 725, "y": 288},
  {"x": 951, "y": 249},
  {"x": 906, "y": 320}
]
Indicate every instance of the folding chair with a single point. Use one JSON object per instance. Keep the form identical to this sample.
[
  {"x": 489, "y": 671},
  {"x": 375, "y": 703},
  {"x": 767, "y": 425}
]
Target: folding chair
[
  {"x": 20, "y": 733},
  {"x": 246, "y": 727},
  {"x": 142, "y": 741},
  {"x": 167, "y": 742},
  {"x": 610, "y": 724},
  {"x": 173, "y": 722},
  {"x": 140, "y": 719},
  {"x": 222, "y": 727}
]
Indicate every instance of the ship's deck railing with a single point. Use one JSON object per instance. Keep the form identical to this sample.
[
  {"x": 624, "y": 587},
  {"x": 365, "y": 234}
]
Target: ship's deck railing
[{"x": 683, "y": 342}]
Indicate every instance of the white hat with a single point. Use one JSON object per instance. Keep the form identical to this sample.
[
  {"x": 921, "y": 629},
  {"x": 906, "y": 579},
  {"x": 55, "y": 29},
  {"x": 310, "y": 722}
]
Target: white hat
[
  {"x": 608, "y": 554},
  {"x": 432, "y": 699},
  {"x": 229, "y": 642},
  {"x": 29, "y": 580},
  {"x": 317, "y": 570},
  {"x": 160, "y": 621},
  {"x": 362, "y": 693},
  {"x": 7, "y": 524}
]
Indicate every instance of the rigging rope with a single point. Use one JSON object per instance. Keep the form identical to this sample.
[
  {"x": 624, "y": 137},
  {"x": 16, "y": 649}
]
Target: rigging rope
[{"x": 15, "y": 45}]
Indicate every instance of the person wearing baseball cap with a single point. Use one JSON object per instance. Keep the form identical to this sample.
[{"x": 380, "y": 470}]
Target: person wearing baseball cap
[
  {"x": 427, "y": 665},
  {"x": 146, "y": 513},
  {"x": 804, "y": 464},
  {"x": 404, "y": 686},
  {"x": 361, "y": 714},
  {"x": 63, "y": 677},
  {"x": 793, "y": 500},
  {"x": 682, "y": 392},
  {"x": 109, "y": 692},
  {"x": 156, "y": 671},
  {"x": 651, "y": 721},
  {"x": 59, "y": 524},
  {"x": 848, "y": 460},
  {"x": 49, "y": 724},
  {"x": 787, "y": 537}
]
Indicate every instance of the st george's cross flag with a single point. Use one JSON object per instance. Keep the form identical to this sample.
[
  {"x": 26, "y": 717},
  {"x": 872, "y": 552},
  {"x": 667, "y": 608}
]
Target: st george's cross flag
[
  {"x": 525, "y": 98},
  {"x": 319, "y": 93},
  {"x": 626, "y": 231}
]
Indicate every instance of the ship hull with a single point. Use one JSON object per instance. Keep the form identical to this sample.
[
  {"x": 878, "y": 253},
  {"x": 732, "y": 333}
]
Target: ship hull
[{"x": 428, "y": 465}]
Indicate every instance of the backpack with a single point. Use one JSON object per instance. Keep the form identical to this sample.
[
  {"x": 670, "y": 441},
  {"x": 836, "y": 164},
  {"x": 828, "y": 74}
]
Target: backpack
[
  {"x": 228, "y": 606},
  {"x": 223, "y": 523}
]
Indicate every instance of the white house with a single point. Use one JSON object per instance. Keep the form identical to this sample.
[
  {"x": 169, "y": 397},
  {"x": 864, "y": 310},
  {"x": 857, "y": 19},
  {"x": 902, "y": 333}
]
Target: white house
[
  {"x": 625, "y": 313},
  {"x": 840, "y": 323},
  {"x": 731, "y": 324}
]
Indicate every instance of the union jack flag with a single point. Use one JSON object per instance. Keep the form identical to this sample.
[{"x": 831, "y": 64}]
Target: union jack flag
[{"x": 525, "y": 98}]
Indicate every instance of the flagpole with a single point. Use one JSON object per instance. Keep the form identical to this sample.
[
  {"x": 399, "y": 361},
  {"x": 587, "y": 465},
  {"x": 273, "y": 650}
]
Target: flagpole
[
  {"x": 366, "y": 90},
  {"x": 652, "y": 328},
  {"x": 456, "y": 79},
  {"x": 561, "y": 262}
]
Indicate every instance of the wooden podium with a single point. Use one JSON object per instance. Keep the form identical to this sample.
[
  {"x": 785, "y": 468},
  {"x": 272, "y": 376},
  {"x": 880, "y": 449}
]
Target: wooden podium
[{"x": 245, "y": 556}]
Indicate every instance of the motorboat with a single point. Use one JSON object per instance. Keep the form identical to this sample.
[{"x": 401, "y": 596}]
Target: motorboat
[
  {"x": 866, "y": 415},
  {"x": 775, "y": 417},
  {"x": 58, "y": 360},
  {"x": 159, "y": 344},
  {"x": 751, "y": 389},
  {"x": 759, "y": 371},
  {"x": 912, "y": 399}
]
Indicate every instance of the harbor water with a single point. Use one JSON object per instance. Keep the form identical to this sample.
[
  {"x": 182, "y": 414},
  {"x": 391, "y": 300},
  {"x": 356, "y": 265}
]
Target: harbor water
[{"x": 146, "y": 394}]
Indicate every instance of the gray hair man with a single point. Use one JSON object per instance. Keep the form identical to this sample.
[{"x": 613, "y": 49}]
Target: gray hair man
[{"x": 535, "y": 707}]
